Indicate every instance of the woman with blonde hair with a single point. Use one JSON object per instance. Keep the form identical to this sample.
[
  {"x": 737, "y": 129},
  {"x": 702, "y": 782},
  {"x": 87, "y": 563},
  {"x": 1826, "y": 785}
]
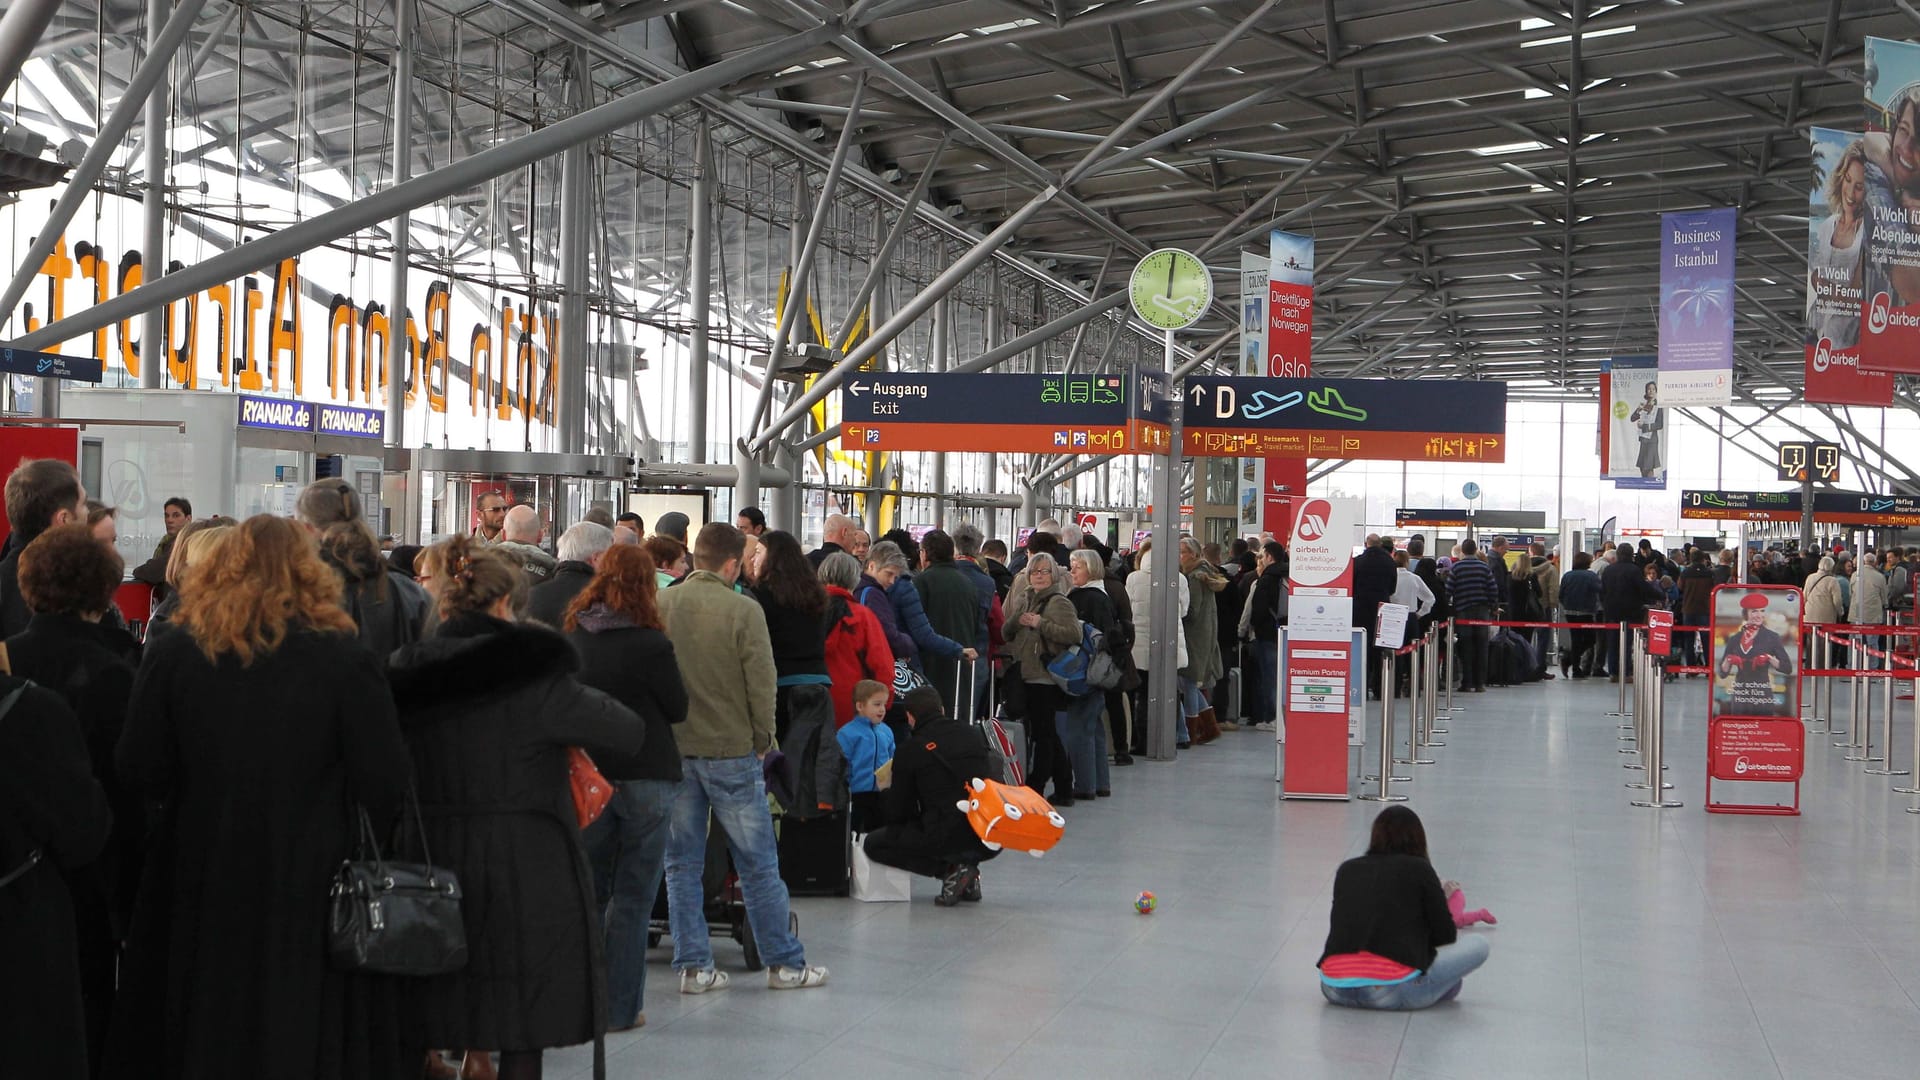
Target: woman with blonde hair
[
  {"x": 193, "y": 539},
  {"x": 490, "y": 707},
  {"x": 259, "y": 726}
]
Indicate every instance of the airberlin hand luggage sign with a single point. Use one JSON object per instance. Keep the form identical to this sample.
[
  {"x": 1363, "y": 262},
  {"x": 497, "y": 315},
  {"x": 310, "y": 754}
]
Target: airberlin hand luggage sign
[
  {"x": 1754, "y": 731},
  {"x": 1318, "y": 668}
]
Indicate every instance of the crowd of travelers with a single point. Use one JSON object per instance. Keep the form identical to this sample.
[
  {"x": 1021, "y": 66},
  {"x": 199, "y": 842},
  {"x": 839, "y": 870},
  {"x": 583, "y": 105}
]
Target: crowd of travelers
[{"x": 180, "y": 785}]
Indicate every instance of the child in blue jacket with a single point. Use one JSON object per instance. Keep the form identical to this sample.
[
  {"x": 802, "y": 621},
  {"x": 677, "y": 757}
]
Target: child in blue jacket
[{"x": 866, "y": 742}]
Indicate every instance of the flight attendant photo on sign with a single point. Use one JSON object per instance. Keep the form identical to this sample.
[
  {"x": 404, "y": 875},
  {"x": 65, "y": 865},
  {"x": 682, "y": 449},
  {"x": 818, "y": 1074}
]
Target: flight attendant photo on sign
[{"x": 1757, "y": 634}]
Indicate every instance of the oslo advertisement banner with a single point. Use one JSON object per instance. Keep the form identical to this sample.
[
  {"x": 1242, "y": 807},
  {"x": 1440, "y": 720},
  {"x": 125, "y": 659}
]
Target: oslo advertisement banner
[
  {"x": 1696, "y": 307},
  {"x": 1890, "y": 329},
  {"x": 1381, "y": 419},
  {"x": 1836, "y": 240},
  {"x": 1289, "y": 356}
]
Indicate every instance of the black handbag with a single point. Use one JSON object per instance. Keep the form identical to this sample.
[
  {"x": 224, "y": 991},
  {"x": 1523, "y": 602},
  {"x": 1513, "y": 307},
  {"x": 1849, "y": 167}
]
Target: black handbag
[{"x": 394, "y": 918}]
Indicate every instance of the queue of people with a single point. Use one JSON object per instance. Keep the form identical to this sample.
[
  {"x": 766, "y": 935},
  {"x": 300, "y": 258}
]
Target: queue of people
[{"x": 173, "y": 811}]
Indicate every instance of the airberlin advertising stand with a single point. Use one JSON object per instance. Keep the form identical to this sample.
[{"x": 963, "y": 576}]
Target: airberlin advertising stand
[
  {"x": 1756, "y": 744},
  {"x": 1318, "y": 676}
]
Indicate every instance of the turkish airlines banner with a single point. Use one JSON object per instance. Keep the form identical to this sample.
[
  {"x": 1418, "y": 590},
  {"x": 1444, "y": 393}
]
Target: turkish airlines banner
[
  {"x": 1890, "y": 294},
  {"x": 1696, "y": 307},
  {"x": 1836, "y": 243},
  {"x": 1289, "y": 348}
]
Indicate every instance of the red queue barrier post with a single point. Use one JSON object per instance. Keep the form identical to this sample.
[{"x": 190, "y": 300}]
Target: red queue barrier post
[
  {"x": 1427, "y": 660},
  {"x": 1655, "y": 695},
  {"x": 1620, "y": 673},
  {"x": 1413, "y": 712},
  {"x": 1386, "y": 776},
  {"x": 1914, "y": 788},
  {"x": 1886, "y": 723}
]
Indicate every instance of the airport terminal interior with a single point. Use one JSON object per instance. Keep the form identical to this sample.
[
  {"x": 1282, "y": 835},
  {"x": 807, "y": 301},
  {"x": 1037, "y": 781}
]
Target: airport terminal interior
[{"x": 1555, "y": 361}]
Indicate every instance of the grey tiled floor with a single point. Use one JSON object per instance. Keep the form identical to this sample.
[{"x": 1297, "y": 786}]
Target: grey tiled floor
[{"x": 1631, "y": 942}]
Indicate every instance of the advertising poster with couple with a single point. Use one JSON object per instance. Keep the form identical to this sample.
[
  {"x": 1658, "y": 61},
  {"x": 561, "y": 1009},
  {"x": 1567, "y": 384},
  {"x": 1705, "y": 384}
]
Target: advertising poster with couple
[
  {"x": 1836, "y": 267},
  {"x": 1890, "y": 174}
]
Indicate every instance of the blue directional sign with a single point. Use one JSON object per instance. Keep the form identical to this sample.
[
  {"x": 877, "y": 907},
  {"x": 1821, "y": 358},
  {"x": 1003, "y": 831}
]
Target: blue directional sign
[
  {"x": 1388, "y": 419},
  {"x": 50, "y": 365},
  {"x": 277, "y": 414},
  {"x": 1037, "y": 413}
]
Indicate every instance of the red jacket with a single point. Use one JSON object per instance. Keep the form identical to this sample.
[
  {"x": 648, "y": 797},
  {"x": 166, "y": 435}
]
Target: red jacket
[{"x": 856, "y": 649}]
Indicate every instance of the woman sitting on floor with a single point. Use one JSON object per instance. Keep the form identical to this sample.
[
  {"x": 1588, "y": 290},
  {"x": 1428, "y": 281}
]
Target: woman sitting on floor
[{"x": 1392, "y": 943}]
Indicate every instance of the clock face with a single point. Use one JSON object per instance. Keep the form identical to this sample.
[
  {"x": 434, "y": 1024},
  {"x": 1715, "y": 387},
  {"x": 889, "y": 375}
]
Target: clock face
[{"x": 1171, "y": 289}]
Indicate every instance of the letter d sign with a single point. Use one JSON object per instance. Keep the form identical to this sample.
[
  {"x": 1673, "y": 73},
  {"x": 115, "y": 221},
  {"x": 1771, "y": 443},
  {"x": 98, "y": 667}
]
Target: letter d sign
[{"x": 1225, "y": 407}]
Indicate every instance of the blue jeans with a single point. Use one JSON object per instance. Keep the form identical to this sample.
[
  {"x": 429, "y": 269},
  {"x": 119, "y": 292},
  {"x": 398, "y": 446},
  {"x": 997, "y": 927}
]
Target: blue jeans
[
  {"x": 736, "y": 793},
  {"x": 1441, "y": 982},
  {"x": 1192, "y": 703},
  {"x": 1266, "y": 661},
  {"x": 1082, "y": 733},
  {"x": 628, "y": 848}
]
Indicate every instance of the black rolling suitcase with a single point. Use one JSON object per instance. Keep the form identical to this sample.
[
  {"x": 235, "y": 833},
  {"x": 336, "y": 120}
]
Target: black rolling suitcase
[{"x": 816, "y": 855}]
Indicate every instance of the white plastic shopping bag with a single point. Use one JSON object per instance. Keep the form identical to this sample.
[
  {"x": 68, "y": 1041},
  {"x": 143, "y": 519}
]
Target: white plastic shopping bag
[{"x": 875, "y": 883}]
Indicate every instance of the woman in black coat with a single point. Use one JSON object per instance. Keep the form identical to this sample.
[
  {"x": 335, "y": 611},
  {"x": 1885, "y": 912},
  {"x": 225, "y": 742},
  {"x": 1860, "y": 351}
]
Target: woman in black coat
[
  {"x": 795, "y": 604},
  {"x": 68, "y": 579},
  {"x": 490, "y": 708},
  {"x": 259, "y": 724},
  {"x": 388, "y": 607},
  {"x": 53, "y": 814},
  {"x": 624, "y": 652}
]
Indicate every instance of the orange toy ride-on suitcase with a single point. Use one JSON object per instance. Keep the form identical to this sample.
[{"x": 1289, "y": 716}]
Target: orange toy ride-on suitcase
[{"x": 1012, "y": 816}]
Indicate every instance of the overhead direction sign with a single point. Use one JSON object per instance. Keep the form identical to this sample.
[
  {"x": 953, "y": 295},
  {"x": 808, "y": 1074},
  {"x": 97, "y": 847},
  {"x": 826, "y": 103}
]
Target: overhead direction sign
[
  {"x": 1831, "y": 507},
  {"x": 1381, "y": 419},
  {"x": 50, "y": 365},
  {"x": 1433, "y": 519},
  {"x": 1105, "y": 413}
]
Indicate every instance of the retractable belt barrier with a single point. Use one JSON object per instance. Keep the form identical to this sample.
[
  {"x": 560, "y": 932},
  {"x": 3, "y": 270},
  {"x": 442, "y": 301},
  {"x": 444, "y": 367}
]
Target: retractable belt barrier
[{"x": 1419, "y": 727}]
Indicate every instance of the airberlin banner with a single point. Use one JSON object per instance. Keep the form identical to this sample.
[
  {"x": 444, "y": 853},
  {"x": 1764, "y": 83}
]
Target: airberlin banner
[
  {"x": 1696, "y": 307},
  {"x": 1836, "y": 240},
  {"x": 1890, "y": 295},
  {"x": 1289, "y": 347}
]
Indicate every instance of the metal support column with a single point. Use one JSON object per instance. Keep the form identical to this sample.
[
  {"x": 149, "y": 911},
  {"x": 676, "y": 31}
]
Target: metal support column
[
  {"x": 1163, "y": 690},
  {"x": 942, "y": 319},
  {"x": 798, "y": 284},
  {"x": 700, "y": 290},
  {"x": 153, "y": 209},
  {"x": 576, "y": 211},
  {"x": 20, "y": 29},
  {"x": 402, "y": 118}
]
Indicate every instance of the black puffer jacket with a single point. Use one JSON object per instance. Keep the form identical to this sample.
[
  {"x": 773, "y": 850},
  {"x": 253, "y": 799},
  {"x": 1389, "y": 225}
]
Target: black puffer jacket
[{"x": 489, "y": 710}]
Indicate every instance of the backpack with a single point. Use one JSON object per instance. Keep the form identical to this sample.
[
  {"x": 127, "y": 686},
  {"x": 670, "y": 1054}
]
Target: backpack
[
  {"x": 819, "y": 770},
  {"x": 1086, "y": 668}
]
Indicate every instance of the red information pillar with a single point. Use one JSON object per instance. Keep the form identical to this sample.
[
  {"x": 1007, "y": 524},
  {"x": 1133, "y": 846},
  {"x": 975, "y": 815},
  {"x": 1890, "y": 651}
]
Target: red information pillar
[{"x": 1317, "y": 677}]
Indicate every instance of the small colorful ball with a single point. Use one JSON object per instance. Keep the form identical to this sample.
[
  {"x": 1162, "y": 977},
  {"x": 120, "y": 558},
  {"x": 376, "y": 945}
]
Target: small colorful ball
[{"x": 1145, "y": 903}]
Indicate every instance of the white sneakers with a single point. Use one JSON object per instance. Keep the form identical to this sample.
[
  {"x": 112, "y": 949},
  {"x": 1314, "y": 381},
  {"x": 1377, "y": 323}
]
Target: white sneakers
[
  {"x": 778, "y": 978},
  {"x": 796, "y": 978},
  {"x": 700, "y": 982}
]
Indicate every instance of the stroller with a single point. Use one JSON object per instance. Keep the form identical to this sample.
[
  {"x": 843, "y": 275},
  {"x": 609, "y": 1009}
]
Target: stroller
[{"x": 726, "y": 907}]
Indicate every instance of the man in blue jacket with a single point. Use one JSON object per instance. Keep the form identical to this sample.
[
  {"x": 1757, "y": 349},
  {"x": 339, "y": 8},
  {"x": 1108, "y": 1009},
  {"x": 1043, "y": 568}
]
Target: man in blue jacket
[{"x": 1471, "y": 586}]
